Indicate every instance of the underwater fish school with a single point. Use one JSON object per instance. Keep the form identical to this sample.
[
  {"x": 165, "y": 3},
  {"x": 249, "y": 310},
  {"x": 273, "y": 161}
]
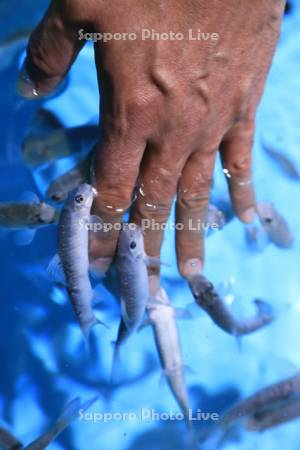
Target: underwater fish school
[{"x": 150, "y": 225}]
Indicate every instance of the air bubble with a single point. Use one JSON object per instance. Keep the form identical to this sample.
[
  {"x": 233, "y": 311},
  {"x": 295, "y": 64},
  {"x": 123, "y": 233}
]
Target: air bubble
[
  {"x": 141, "y": 191},
  {"x": 149, "y": 205},
  {"x": 227, "y": 173}
]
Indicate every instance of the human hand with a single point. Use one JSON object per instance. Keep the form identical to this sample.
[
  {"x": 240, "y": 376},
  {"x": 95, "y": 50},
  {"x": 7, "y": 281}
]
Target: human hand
[{"x": 166, "y": 106}]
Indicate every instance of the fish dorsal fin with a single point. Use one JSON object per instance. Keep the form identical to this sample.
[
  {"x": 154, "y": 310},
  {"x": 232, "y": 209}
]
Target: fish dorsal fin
[
  {"x": 29, "y": 197},
  {"x": 183, "y": 313},
  {"x": 24, "y": 237},
  {"x": 55, "y": 271}
]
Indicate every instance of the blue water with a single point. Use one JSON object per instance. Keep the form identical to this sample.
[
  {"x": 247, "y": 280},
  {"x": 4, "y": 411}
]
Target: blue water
[{"x": 43, "y": 362}]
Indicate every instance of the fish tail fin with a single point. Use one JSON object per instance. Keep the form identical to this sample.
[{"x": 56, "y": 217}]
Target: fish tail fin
[
  {"x": 212, "y": 441},
  {"x": 264, "y": 309},
  {"x": 116, "y": 363},
  {"x": 70, "y": 413},
  {"x": 192, "y": 437},
  {"x": 71, "y": 410},
  {"x": 86, "y": 329},
  {"x": 239, "y": 342},
  {"x": 24, "y": 237}
]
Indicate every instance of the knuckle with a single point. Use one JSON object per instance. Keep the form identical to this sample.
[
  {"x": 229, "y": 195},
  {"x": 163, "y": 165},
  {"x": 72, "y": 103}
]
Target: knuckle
[
  {"x": 158, "y": 212},
  {"x": 113, "y": 201},
  {"x": 240, "y": 166},
  {"x": 140, "y": 104},
  {"x": 129, "y": 114},
  {"x": 195, "y": 201}
]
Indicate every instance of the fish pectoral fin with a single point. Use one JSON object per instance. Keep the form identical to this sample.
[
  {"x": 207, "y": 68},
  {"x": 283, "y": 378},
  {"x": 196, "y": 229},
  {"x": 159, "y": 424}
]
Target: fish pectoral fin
[
  {"x": 87, "y": 329},
  {"x": 55, "y": 271},
  {"x": 163, "y": 379},
  {"x": 153, "y": 261},
  {"x": 155, "y": 301},
  {"x": 190, "y": 370},
  {"x": 96, "y": 299},
  {"x": 124, "y": 313},
  {"x": 24, "y": 237},
  {"x": 183, "y": 313},
  {"x": 143, "y": 325},
  {"x": 167, "y": 373}
]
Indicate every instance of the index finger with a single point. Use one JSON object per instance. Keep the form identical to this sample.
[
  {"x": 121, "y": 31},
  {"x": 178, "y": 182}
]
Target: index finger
[{"x": 52, "y": 49}]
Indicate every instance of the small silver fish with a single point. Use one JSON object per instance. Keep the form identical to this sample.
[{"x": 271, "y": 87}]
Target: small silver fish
[
  {"x": 208, "y": 299},
  {"x": 60, "y": 188},
  {"x": 278, "y": 415},
  {"x": 131, "y": 266},
  {"x": 73, "y": 255},
  {"x": 262, "y": 400},
  {"x": 284, "y": 162},
  {"x": 70, "y": 413},
  {"x": 162, "y": 317},
  {"x": 41, "y": 147},
  {"x": 270, "y": 406},
  {"x": 39, "y": 150},
  {"x": 26, "y": 215},
  {"x": 275, "y": 225}
]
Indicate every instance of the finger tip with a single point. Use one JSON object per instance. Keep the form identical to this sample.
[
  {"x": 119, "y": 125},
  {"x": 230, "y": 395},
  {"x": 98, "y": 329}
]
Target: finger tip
[
  {"x": 248, "y": 215},
  {"x": 191, "y": 267},
  {"x": 101, "y": 264},
  {"x": 25, "y": 86}
]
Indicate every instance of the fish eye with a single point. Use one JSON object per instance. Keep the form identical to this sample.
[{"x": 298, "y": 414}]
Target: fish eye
[
  {"x": 79, "y": 199},
  {"x": 132, "y": 245},
  {"x": 268, "y": 220}
]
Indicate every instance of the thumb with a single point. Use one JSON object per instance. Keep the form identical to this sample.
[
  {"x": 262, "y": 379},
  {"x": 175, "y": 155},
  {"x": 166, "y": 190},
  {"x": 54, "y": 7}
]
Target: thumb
[{"x": 52, "y": 49}]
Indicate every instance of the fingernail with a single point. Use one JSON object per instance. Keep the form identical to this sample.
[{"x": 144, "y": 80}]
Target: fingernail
[
  {"x": 25, "y": 86},
  {"x": 191, "y": 267},
  {"x": 154, "y": 284},
  {"x": 248, "y": 216},
  {"x": 101, "y": 265}
]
